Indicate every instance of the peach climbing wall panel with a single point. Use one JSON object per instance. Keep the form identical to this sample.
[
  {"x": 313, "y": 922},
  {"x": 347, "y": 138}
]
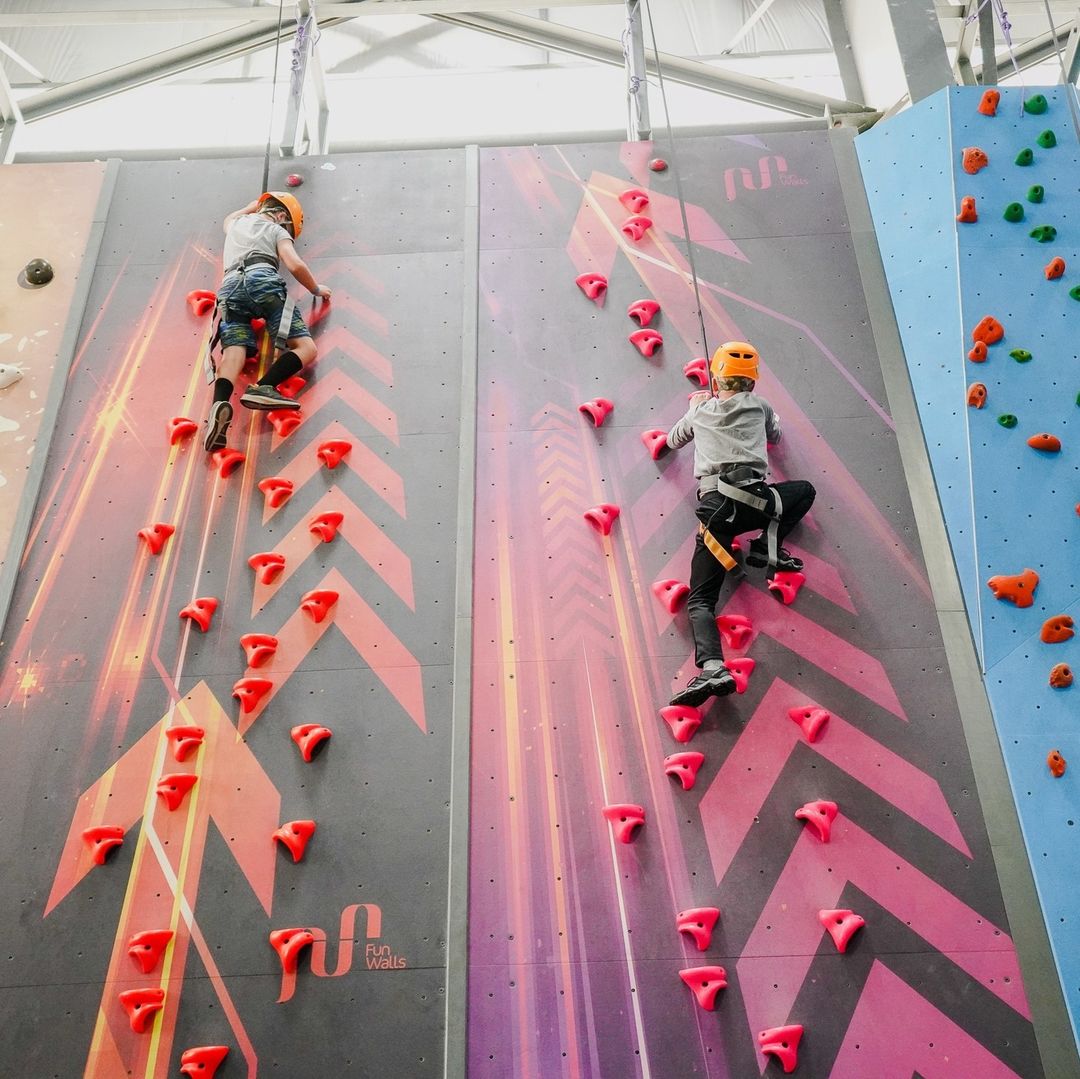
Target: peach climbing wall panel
[
  {"x": 577, "y": 963},
  {"x": 1006, "y": 465}
]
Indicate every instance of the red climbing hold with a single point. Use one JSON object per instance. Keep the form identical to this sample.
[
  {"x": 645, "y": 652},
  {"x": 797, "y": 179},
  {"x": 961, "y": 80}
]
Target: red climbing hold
[
  {"x": 101, "y": 839},
  {"x": 1046, "y": 443},
  {"x": 332, "y": 451},
  {"x": 147, "y": 947},
  {"x": 291, "y": 386},
  {"x": 594, "y": 285},
  {"x": 310, "y": 738},
  {"x": 267, "y": 565},
  {"x": 172, "y": 788},
  {"x": 201, "y": 301},
  {"x": 646, "y": 341},
  {"x": 284, "y": 421},
  {"x": 289, "y": 943},
  {"x": 811, "y": 719},
  {"x": 1056, "y": 763},
  {"x": 785, "y": 585},
  {"x": 634, "y": 199},
  {"x": 968, "y": 214},
  {"x": 670, "y": 593},
  {"x": 683, "y": 720},
  {"x": 598, "y": 408},
  {"x": 976, "y": 395},
  {"x": 706, "y": 982},
  {"x": 736, "y": 629},
  {"x": 155, "y": 536},
  {"x": 1054, "y": 269},
  {"x": 317, "y": 604},
  {"x": 184, "y": 740},
  {"x": 741, "y": 669},
  {"x": 203, "y": 1060},
  {"x": 325, "y": 525},
  {"x": 643, "y": 311},
  {"x": 782, "y": 1043},
  {"x": 181, "y": 427},
  {"x": 988, "y": 103},
  {"x": 655, "y": 442},
  {"x": 842, "y": 925},
  {"x": 1019, "y": 588},
  {"x": 1061, "y": 676},
  {"x": 625, "y": 819},
  {"x": 978, "y": 352},
  {"x": 1057, "y": 629},
  {"x": 200, "y": 611},
  {"x": 633, "y": 228},
  {"x": 989, "y": 331},
  {"x": 697, "y": 369},
  {"x": 277, "y": 490},
  {"x": 698, "y": 923},
  {"x": 294, "y": 179},
  {"x": 602, "y": 517},
  {"x": 142, "y": 1005},
  {"x": 658, "y": 164},
  {"x": 227, "y": 461},
  {"x": 684, "y": 766},
  {"x": 249, "y": 691},
  {"x": 819, "y": 814},
  {"x": 974, "y": 159},
  {"x": 294, "y": 836},
  {"x": 259, "y": 647}
]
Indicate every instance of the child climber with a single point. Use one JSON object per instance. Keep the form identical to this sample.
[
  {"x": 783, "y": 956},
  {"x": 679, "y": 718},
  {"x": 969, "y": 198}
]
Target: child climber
[
  {"x": 258, "y": 239},
  {"x": 730, "y": 428}
]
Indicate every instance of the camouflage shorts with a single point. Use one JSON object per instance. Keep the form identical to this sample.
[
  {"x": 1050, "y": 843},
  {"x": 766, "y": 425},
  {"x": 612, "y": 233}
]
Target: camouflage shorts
[{"x": 255, "y": 293}]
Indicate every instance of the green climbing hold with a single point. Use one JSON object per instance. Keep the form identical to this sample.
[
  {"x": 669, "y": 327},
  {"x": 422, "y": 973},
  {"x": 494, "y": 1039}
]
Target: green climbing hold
[
  {"x": 1036, "y": 105},
  {"x": 1007, "y": 419},
  {"x": 1021, "y": 355},
  {"x": 1078, "y": 400},
  {"x": 1047, "y": 140},
  {"x": 1043, "y": 233},
  {"x": 1074, "y": 292},
  {"x": 1014, "y": 212},
  {"x": 1035, "y": 193},
  {"x": 1025, "y": 157}
]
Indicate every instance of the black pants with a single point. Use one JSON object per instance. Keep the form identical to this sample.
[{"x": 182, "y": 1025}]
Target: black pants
[{"x": 726, "y": 518}]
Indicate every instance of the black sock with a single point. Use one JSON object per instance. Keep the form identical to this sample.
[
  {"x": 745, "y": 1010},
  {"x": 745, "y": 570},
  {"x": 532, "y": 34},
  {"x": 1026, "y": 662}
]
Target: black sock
[
  {"x": 223, "y": 389},
  {"x": 285, "y": 366}
]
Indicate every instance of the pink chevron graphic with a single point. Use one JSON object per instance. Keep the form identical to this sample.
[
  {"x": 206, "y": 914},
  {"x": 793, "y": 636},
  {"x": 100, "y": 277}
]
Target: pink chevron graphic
[
  {"x": 340, "y": 338},
  {"x": 762, "y": 751},
  {"x": 814, "y": 877},
  {"x": 889, "y": 1037},
  {"x": 338, "y": 385},
  {"x": 344, "y": 301}
]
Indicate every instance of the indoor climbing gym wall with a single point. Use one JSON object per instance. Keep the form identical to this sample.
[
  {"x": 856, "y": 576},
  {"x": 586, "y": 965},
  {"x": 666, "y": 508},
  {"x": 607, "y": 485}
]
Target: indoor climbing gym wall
[
  {"x": 799, "y": 875},
  {"x": 975, "y": 201}
]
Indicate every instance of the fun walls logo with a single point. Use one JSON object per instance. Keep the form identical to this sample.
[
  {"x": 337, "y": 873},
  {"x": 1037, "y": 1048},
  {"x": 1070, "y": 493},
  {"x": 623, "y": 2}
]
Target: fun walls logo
[{"x": 772, "y": 169}]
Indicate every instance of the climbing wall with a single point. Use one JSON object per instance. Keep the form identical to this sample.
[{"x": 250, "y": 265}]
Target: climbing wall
[
  {"x": 575, "y": 957},
  {"x": 1009, "y": 506},
  {"x": 98, "y": 662}
]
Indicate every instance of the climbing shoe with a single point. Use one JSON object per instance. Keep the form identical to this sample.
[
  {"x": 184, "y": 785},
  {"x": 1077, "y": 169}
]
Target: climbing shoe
[
  {"x": 266, "y": 398},
  {"x": 703, "y": 686},
  {"x": 758, "y": 555},
  {"x": 217, "y": 426}
]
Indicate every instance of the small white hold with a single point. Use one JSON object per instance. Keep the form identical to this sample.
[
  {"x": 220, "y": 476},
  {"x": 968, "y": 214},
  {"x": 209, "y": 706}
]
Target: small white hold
[
  {"x": 328, "y": 166},
  {"x": 7, "y": 425},
  {"x": 5, "y": 337},
  {"x": 9, "y": 375},
  {"x": 3, "y": 480}
]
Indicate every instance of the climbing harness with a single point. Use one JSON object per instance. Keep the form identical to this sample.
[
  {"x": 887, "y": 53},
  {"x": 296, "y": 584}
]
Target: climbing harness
[{"x": 772, "y": 507}]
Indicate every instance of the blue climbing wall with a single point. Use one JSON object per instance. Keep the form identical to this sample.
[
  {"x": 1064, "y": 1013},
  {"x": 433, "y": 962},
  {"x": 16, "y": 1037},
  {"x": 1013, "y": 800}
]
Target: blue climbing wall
[{"x": 1007, "y": 506}]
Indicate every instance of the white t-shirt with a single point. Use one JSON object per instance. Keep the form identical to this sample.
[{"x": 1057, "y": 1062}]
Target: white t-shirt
[
  {"x": 252, "y": 234},
  {"x": 727, "y": 433}
]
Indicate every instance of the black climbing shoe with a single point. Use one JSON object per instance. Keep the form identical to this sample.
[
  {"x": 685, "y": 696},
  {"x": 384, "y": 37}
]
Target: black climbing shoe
[
  {"x": 703, "y": 686},
  {"x": 266, "y": 398},
  {"x": 758, "y": 556},
  {"x": 217, "y": 426}
]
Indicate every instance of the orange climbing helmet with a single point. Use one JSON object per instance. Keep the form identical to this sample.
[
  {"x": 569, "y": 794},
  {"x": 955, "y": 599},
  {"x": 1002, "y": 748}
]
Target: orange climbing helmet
[
  {"x": 289, "y": 203},
  {"x": 735, "y": 359}
]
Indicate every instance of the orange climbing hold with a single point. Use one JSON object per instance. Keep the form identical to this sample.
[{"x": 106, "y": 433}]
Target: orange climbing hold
[
  {"x": 1046, "y": 443},
  {"x": 976, "y": 395},
  {"x": 1056, "y": 763},
  {"x": 968, "y": 214},
  {"x": 184, "y": 740},
  {"x": 288, "y": 943},
  {"x": 284, "y": 421},
  {"x": 698, "y": 923},
  {"x": 978, "y": 353},
  {"x": 147, "y": 947},
  {"x": 1054, "y": 269},
  {"x": 988, "y": 330},
  {"x": 258, "y": 647},
  {"x": 1018, "y": 588},
  {"x": 154, "y": 536},
  {"x": 325, "y": 525},
  {"x": 202, "y": 1060},
  {"x": 277, "y": 490},
  {"x": 706, "y": 983},
  {"x": 267, "y": 565},
  {"x": 1057, "y": 629},
  {"x": 227, "y": 461},
  {"x": 201, "y": 301},
  {"x": 974, "y": 159},
  {"x": 181, "y": 427},
  {"x": 310, "y": 738},
  {"x": 292, "y": 386},
  {"x": 684, "y": 766},
  {"x": 1061, "y": 676},
  {"x": 317, "y": 603},
  {"x": 142, "y": 1005},
  {"x": 102, "y": 839},
  {"x": 200, "y": 611},
  {"x": 988, "y": 103},
  {"x": 332, "y": 451},
  {"x": 250, "y": 691},
  {"x": 294, "y": 836},
  {"x": 172, "y": 788}
]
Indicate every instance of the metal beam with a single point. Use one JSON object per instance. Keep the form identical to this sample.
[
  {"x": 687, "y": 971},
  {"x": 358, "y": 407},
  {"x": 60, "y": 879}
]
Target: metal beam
[
  {"x": 747, "y": 26},
  {"x": 638, "y": 126},
  {"x": 965, "y": 39},
  {"x": 1034, "y": 51},
  {"x": 986, "y": 46},
  {"x": 295, "y": 126},
  {"x": 12, "y": 119},
  {"x": 606, "y": 50},
  {"x": 841, "y": 45},
  {"x": 1072, "y": 56}
]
